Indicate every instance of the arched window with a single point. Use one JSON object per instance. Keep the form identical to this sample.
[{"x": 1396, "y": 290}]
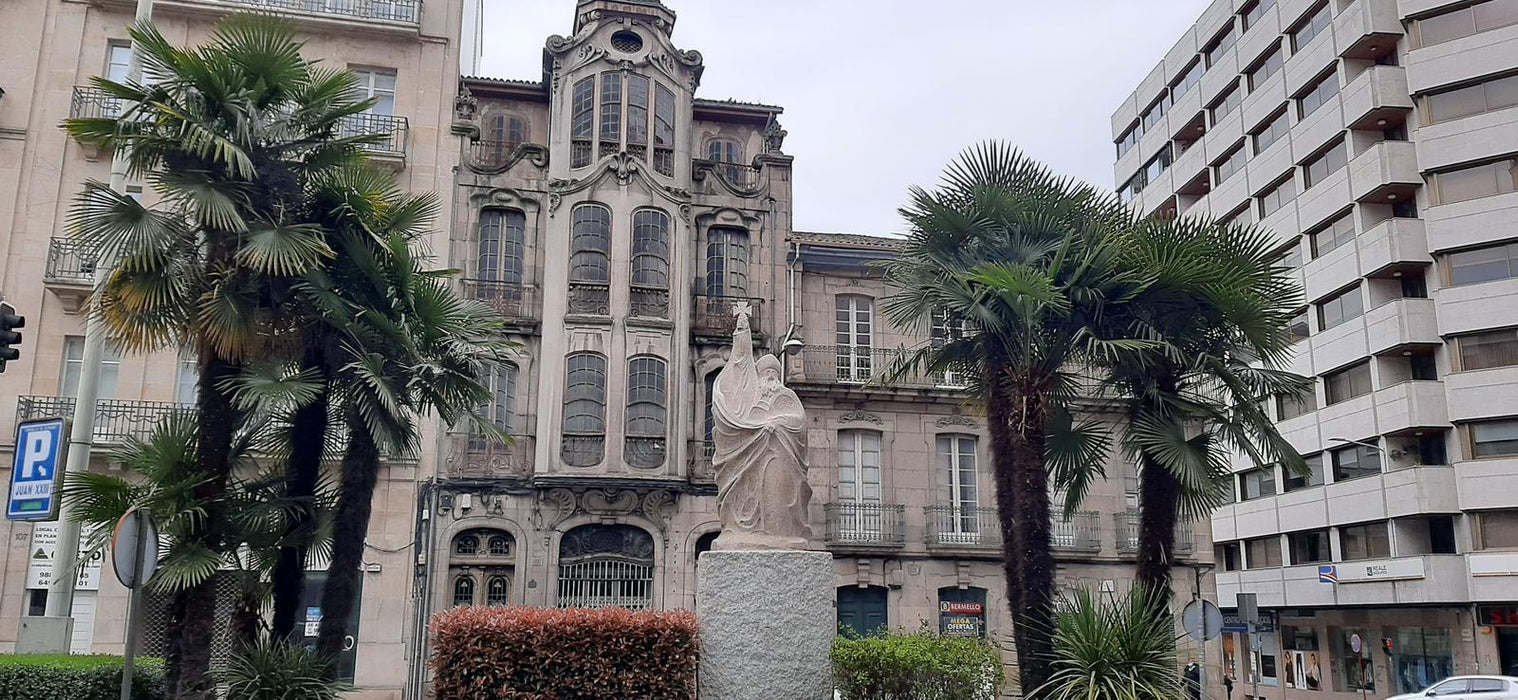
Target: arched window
[
  {"x": 502, "y": 240},
  {"x": 729, "y": 152},
  {"x": 704, "y": 544},
  {"x": 584, "y": 410},
  {"x": 637, "y": 115},
  {"x": 500, "y": 546},
  {"x": 498, "y": 591},
  {"x": 611, "y": 113},
  {"x": 854, "y": 330},
  {"x": 589, "y": 261},
  {"x": 863, "y": 610},
  {"x": 962, "y": 612},
  {"x": 709, "y": 420},
  {"x": 664, "y": 130},
  {"x": 502, "y": 134},
  {"x": 582, "y": 122},
  {"x": 646, "y": 409},
  {"x": 606, "y": 566},
  {"x": 463, "y": 590},
  {"x": 650, "y": 264},
  {"x": 466, "y": 545},
  {"x": 727, "y": 262}
]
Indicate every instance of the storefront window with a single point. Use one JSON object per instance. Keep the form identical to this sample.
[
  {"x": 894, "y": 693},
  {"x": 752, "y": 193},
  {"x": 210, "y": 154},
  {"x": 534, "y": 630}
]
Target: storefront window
[
  {"x": 1356, "y": 670},
  {"x": 1422, "y": 656},
  {"x": 1302, "y": 660}
]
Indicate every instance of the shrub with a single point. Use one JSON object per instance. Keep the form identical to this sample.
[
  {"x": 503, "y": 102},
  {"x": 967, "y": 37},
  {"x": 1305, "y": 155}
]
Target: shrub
[
  {"x": 1122, "y": 649},
  {"x": 65, "y": 677},
  {"x": 273, "y": 671},
  {"x": 918, "y": 666},
  {"x": 569, "y": 654}
]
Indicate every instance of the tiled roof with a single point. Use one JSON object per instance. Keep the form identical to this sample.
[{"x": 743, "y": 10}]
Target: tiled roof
[
  {"x": 702, "y": 102},
  {"x": 852, "y": 239},
  {"x": 504, "y": 81}
]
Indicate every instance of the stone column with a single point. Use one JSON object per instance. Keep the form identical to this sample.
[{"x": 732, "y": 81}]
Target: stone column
[{"x": 768, "y": 620}]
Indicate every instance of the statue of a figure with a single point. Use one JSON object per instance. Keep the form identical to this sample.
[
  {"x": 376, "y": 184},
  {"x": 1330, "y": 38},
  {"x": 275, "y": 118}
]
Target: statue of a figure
[{"x": 762, "y": 492}]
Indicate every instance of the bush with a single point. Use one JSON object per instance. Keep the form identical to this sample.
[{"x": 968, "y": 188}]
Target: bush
[
  {"x": 65, "y": 677},
  {"x": 918, "y": 666},
  {"x": 1119, "y": 649},
  {"x": 570, "y": 654},
  {"x": 273, "y": 671}
]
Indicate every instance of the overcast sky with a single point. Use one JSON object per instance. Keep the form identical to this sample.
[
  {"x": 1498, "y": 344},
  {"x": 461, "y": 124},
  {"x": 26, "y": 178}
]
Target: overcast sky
[{"x": 880, "y": 94}]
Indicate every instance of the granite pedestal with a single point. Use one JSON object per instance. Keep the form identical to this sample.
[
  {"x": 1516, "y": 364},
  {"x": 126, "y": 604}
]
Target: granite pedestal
[{"x": 767, "y": 623}]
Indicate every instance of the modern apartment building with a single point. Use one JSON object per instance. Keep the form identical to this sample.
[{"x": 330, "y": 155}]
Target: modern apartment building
[{"x": 1376, "y": 139}]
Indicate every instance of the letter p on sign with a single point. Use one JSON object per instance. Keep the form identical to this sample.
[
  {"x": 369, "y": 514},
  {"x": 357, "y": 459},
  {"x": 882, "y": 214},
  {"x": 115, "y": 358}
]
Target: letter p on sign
[{"x": 35, "y": 473}]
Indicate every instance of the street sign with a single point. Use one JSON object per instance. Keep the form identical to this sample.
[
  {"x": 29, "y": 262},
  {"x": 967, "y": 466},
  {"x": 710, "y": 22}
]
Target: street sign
[
  {"x": 134, "y": 548},
  {"x": 1203, "y": 620},
  {"x": 37, "y": 473}
]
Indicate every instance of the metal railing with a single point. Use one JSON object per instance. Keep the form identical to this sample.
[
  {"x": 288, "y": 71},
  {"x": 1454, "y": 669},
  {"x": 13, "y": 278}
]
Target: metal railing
[
  {"x": 514, "y": 301},
  {"x": 860, "y": 365},
  {"x": 1128, "y": 535},
  {"x": 702, "y": 469},
  {"x": 866, "y": 524},
  {"x": 1081, "y": 533},
  {"x": 66, "y": 262},
  {"x": 493, "y": 153},
  {"x": 480, "y": 457},
  {"x": 116, "y": 420},
  {"x": 712, "y": 316},
  {"x": 90, "y": 102},
  {"x": 604, "y": 584},
  {"x": 962, "y": 526},
  {"x": 409, "y": 11},
  {"x": 392, "y": 127},
  {"x": 590, "y": 298}
]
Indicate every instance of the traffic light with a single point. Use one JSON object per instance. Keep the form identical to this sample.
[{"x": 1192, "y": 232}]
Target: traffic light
[{"x": 9, "y": 322}]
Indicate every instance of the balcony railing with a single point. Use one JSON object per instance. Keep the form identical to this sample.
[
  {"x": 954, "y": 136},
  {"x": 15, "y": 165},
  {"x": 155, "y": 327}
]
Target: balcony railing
[
  {"x": 866, "y": 524},
  {"x": 93, "y": 103},
  {"x": 511, "y": 301},
  {"x": 1128, "y": 535},
  {"x": 409, "y": 11},
  {"x": 702, "y": 470},
  {"x": 394, "y": 129},
  {"x": 648, "y": 302},
  {"x": 712, "y": 316},
  {"x": 1081, "y": 533},
  {"x": 739, "y": 176},
  {"x": 963, "y": 526},
  {"x": 116, "y": 420},
  {"x": 67, "y": 263},
  {"x": 481, "y": 457},
  {"x": 860, "y": 365}
]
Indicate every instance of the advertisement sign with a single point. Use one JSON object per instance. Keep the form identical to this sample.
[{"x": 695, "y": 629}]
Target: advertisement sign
[
  {"x": 1497, "y": 615},
  {"x": 44, "y": 551},
  {"x": 961, "y": 626},
  {"x": 1382, "y": 570},
  {"x": 37, "y": 471}
]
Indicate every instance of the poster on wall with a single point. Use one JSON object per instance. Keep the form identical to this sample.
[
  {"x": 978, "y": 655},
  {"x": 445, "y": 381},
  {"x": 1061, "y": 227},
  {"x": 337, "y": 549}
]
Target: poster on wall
[
  {"x": 960, "y": 619},
  {"x": 1302, "y": 670},
  {"x": 44, "y": 550}
]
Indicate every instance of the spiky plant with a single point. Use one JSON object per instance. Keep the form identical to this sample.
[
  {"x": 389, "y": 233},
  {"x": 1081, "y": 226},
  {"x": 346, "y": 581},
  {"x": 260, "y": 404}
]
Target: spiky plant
[{"x": 1115, "y": 649}]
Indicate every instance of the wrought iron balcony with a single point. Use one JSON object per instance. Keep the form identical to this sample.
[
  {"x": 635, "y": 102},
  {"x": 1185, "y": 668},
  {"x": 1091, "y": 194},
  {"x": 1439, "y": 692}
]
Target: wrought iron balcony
[
  {"x": 479, "y": 457},
  {"x": 68, "y": 264},
  {"x": 963, "y": 526},
  {"x": 516, "y": 302},
  {"x": 859, "y": 366},
  {"x": 93, "y": 103},
  {"x": 394, "y": 129},
  {"x": 712, "y": 316},
  {"x": 742, "y": 178},
  {"x": 1081, "y": 533},
  {"x": 1128, "y": 535},
  {"x": 855, "y": 524},
  {"x": 407, "y": 11},
  {"x": 702, "y": 470},
  {"x": 116, "y": 420}
]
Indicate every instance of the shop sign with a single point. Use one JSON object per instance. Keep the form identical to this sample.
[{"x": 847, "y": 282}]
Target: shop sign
[
  {"x": 962, "y": 626},
  {"x": 1497, "y": 615},
  {"x": 951, "y": 608},
  {"x": 1381, "y": 570},
  {"x": 1232, "y": 622}
]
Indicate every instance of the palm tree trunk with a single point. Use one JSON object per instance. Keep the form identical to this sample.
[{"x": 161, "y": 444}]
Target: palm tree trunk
[
  {"x": 1159, "y": 499},
  {"x": 1034, "y": 620},
  {"x": 309, "y": 438},
  {"x": 218, "y": 422},
  {"x": 354, "y": 505},
  {"x": 999, "y": 426}
]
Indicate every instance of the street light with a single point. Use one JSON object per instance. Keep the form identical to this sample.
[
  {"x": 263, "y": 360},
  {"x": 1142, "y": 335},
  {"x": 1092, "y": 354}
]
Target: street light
[{"x": 1361, "y": 443}]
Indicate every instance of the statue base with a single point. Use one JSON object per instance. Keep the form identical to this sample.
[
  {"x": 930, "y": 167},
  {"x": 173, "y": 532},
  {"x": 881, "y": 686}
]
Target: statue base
[{"x": 768, "y": 620}]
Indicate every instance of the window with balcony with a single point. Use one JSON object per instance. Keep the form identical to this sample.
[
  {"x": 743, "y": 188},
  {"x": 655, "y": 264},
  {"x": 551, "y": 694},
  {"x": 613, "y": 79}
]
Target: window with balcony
[
  {"x": 1309, "y": 547},
  {"x": 1220, "y": 44},
  {"x": 1262, "y": 552},
  {"x": 502, "y": 134},
  {"x": 1313, "y": 477},
  {"x": 1225, "y": 104},
  {"x": 1254, "y": 11},
  {"x": 377, "y": 84},
  {"x": 610, "y": 113},
  {"x": 1330, "y": 161},
  {"x": 1131, "y": 188},
  {"x": 1333, "y": 235},
  {"x": 1493, "y": 438},
  {"x": 727, "y": 262},
  {"x": 1487, "y": 349},
  {"x": 1319, "y": 94},
  {"x": 501, "y": 246},
  {"x": 1466, "y": 21},
  {"x": 1488, "y": 96},
  {"x": 1345, "y": 306},
  {"x": 1355, "y": 462},
  {"x": 590, "y": 261},
  {"x": 858, "y": 466},
  {"x": 664, "y": 130},
  {"x": 1367, "y": 541},
  {"x": 1188, "y": 79},
  {"x": 73, "y": 363},
  {"x": 647, "y": 406},
  {"x": 1497, "y": 529},
  {"x": 1263, "y": 68},
  {"x": 1476, "y": 181},
  {"x": 1158, "y": 164},
  {"x": 582, "y": 122},
  {"x": 1348, "y": 383},
  {"x": 1231, "y": 163},
  {"x": 1477, "y": 265},
  {"x": 584, "y": 409},
  {"x": 118, "y": 59},
  {"x": 1257, "y": 483},
  {"x": 726, "y": 150},
  {"x": 1155, "y": 112},
  {"x": 854, "y": 332},
  {"x": 649, "y": 292},
  {"x": 1277, "y": 196},
  {"x": 1310, "y": 27},
  {"x": 1128, "y": 140},
  {"x": 500, "y": 410},
  {"x": 957, "y": 483},
  {"x": 1272, "y": 131}
]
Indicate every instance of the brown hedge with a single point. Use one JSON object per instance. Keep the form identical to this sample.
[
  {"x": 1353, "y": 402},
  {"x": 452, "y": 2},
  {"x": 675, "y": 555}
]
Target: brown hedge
[{"x": 568, "y": 654}]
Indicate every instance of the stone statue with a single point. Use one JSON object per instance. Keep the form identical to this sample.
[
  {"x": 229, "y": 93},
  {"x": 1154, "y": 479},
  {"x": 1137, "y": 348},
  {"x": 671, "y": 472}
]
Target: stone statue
[{"x": 762, "y": 493}]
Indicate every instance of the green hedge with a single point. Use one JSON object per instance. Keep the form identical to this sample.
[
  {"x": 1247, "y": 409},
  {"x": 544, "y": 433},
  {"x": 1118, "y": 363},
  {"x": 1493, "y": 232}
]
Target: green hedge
[
  {"x": 918, "y": 666},
  {"x": 64, "y": 677}
]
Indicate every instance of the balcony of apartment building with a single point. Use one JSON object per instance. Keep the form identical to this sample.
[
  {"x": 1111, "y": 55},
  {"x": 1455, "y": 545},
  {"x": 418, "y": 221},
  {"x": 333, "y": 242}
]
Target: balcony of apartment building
[
  {"x": 1367, "y": 30},
  {"x": 116, "y": 420},
  {"x": 476, "y": 456},
  {"x": 1128, "y": 535},
  {"x": 712, "y": 319},
  {"x": 741, "y": 179},
  {"x": 865, "y": 525},
  {"x": 970, "y": 530},
  {"x": 1493, "y": 575},
  {"x": 1377, "y": 99},
  {"x": 69, "y": 273},
  {"x": 702, "y": 468},
  {"x": 869, "y": 368},
  {"x": 393, "y": 16},
  {"x": 1386, "y": 173},
  {"x": 519, "y": 304}
]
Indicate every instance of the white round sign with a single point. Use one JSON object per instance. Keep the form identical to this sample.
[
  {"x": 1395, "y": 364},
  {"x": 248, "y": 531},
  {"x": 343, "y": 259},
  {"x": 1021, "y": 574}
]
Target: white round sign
[
  {"x": 1355, "y": 644},
  {"x": 1202, "y": 620},
  {"x": 134, "y": 548}
]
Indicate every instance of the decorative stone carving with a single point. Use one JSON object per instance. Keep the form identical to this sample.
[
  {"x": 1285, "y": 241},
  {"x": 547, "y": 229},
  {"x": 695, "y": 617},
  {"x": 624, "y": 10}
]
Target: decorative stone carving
[
  {"x": 609, "y": 501},
  {"x": 774, "y": 137},
  {"x": 465, "y": 105},
  {"x": 762, "y": 491},
  {"x": 659, "y": 506},
  {"x": 859, "y": 417},
  {"x": 552, "y": 507},
  {"x": 947, "y": 421}
]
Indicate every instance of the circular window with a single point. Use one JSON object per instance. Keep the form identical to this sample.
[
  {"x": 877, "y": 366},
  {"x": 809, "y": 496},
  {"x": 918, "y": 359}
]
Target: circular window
[{"x": 627, "y": 42}]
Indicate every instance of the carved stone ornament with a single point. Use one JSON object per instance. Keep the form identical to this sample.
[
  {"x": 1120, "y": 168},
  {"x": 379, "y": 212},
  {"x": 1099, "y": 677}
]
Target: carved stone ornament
[
  {"x": 465, "y": 105},
  {"x": 860, "y": 417},
  {"x": 947, "y": 421},
  {"x": 774, "y": 137},
  {"x": 554, "y": 506}
]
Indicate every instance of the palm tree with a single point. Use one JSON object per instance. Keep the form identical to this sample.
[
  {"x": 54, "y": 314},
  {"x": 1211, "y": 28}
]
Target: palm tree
[
  {"x": 1213, "y": 302},
  {"x": 228, "y": 135},
  {"x": 1030, "y": 264},
  {"x": 1119, "y": 649}
]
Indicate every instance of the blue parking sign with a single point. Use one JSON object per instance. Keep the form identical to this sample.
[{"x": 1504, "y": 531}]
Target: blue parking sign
[{"x": 37, "y": 471}]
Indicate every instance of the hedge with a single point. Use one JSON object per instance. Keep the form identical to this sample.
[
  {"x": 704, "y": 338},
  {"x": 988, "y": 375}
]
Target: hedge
[
  {"x": 564, "y": 654},
  {"x": 918, "y": 666},
  {"x": 65, "y": 677}
]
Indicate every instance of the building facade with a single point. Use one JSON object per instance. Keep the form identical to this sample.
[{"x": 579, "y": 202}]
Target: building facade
[{"x": 1376, "y": 140}]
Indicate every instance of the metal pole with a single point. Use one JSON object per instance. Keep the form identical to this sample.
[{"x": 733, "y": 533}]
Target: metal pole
[
  {"x": 134, "y": 607},
  {"x": 1254, "y": 670},
  {"x": 60, "y": 599}
]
